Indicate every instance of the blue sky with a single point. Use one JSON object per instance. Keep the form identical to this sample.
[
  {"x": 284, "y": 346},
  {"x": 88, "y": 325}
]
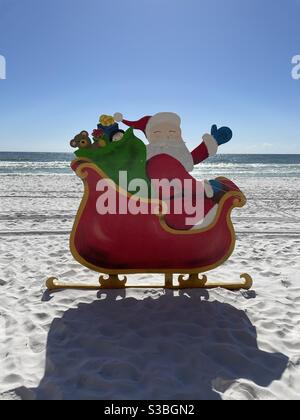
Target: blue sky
[{"x": 211, "y": 61}]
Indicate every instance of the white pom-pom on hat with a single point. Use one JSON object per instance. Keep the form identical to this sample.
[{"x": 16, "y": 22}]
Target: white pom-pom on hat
[{"x": 118, "y": 117}]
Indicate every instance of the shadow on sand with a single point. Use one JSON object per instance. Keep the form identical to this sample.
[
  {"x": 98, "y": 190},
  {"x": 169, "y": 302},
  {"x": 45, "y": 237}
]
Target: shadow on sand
[{"x": 172, "y": 347}]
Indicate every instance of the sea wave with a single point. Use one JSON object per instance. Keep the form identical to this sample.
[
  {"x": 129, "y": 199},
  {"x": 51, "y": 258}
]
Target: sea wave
[
  {"x": 239, "y": 166},
  {"x": 33, "y": 165},
  {"x": 248, "y": 169},
  {"x": 27, "y": 168}
]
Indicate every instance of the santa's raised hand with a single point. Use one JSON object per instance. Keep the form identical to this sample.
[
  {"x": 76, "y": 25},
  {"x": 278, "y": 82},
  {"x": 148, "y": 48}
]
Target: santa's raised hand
[{"x": 211, "y": 142}]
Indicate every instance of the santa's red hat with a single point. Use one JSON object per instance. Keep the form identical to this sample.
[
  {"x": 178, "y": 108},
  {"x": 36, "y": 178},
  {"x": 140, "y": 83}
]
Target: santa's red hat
[
  {"x": 149, "y": 121},
  {"x": 138, "y": 125}
]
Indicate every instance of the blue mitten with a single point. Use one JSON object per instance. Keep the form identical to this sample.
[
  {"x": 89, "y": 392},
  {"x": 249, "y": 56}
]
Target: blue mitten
[{"x": 221, "y": 135}]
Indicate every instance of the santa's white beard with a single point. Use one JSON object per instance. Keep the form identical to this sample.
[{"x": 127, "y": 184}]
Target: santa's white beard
[{"x": 178, "y": 151}]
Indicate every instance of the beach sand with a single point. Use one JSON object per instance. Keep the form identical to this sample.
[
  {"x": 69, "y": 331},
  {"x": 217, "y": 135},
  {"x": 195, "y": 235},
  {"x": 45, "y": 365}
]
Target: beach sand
[{"x": 147, "y": 344}]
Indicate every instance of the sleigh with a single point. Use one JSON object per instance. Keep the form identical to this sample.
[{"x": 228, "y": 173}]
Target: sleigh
[{"x": 120, "y": 244}]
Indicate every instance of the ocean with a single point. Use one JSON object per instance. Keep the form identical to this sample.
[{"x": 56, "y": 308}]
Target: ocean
[{"x": 12, "y": 163}]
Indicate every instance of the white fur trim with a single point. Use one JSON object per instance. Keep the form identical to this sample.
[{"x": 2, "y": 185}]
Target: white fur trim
[
  {"x": 162, "y": 117},
  {"x": 208, "y": 189},
  {"x": 118, "y": 117},
  {"x": 211, "y": 144}
]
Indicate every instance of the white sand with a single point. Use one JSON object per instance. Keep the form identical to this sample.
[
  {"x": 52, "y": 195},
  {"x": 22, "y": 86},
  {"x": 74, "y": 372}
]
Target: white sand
[{"x": 147, "y": 344}]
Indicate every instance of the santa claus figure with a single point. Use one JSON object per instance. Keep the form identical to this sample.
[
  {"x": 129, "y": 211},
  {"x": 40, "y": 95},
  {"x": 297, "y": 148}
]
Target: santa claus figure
[{"x": 169, "y": 157}]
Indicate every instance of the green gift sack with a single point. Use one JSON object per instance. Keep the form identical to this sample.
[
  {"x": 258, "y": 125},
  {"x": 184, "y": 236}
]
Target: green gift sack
[{"x": 128, "y": 154}]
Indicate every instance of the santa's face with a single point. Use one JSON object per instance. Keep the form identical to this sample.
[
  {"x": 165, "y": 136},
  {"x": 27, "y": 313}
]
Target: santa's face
[
  {"x": 164, "y": 132},
  {"x": 166, "y": 138}
]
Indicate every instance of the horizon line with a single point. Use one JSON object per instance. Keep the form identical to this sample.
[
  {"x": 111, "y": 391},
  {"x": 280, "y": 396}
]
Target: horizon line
[{"x": 219, "y": 154}]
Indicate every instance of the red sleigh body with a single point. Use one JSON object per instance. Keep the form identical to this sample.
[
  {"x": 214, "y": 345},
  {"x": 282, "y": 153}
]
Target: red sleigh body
[{"x": 143, "y": 243}]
